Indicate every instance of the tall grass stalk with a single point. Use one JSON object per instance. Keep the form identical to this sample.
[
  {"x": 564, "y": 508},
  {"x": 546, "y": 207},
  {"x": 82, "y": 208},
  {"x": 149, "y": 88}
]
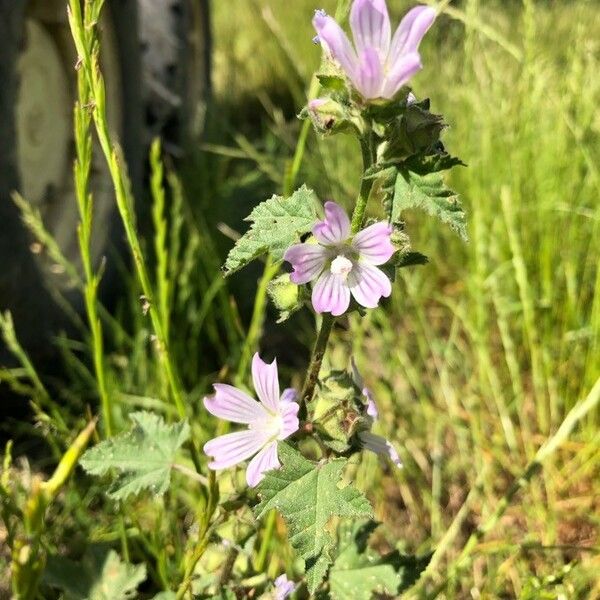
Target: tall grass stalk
[
  {"x": 85, "y": 205},
  {"x": 83, "y": 27}
]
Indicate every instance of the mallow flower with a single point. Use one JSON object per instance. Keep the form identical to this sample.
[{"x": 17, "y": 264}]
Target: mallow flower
[
  {"x": 283, "y": 587},
  {"x": 343, "y": 264},
  {"x": 371, "y": 441},
  {"x": 272, "y": 419},
  {"x": 378, "y": 65}
]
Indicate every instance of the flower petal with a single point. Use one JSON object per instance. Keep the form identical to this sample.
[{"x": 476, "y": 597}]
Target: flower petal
[
  {"x": 370, "y": 23},
  {"x": 368, "y": 284},
  {"x": 403, "y": 70},
  {"x": 331, "y": 294},
  {"x": 264, "y": 461},
  {"x": 373, "y": 243},
  {"x": 410, "y": 32},
  {"x": 379, "y": 445},
  {"x": 289, "y": 417},
  {"x": 232, "y": 448},
  {"x": 283, "y": 587},
  {"x": 371, "y": 406},
  {"x": 335, "y": 228},
  {"x": 369, "y": 77},
  {"x": 288, "y": 395},
  {"x": 232, "y": 404},
  {"x": 336, "y": 42},
  {"x": 308, "y": 260},
  {"x": 266, "y": 382}
]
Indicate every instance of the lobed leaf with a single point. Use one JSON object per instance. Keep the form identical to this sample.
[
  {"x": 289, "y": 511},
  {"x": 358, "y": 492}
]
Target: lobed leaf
[
  {"x": 101, "y": 575},
  {"x": 359, "y": 572},
  {"x": 276, "y": 224},
  {"x": 308, "y": 497},
  {"x": 429, "y": 193},
  {"x": 143, "y": 456}
]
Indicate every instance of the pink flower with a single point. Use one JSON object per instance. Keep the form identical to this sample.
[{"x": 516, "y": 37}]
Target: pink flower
[
  {"x": 341, "y": 264},
  {"x": 370, "y": 441},
  {"x": 378, "y": 65},
  {"x": 283, "y": 587},
  {"x": 269, "y": 421}
]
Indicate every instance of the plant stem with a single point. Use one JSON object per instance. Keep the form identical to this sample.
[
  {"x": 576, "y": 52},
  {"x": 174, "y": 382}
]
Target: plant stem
[
  {"x": 366, "y": 184},
  {"x": 360, "y": 207},
  {"x": 83, "y": 28},
  {"x": 312, "y": 376},
  {"x": 85, "y": 205},
  {"x": 261, "y": 559}
]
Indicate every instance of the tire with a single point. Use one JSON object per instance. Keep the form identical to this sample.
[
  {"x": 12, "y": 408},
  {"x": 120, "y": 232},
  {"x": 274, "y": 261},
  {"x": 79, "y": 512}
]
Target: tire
[{"x": 149, "y": 92}]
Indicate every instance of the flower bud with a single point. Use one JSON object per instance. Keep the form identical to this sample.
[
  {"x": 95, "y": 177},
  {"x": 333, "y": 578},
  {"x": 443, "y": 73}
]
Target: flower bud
[
  {"x": 286, "y": 296},
  {"x": 327, "y": 115}
]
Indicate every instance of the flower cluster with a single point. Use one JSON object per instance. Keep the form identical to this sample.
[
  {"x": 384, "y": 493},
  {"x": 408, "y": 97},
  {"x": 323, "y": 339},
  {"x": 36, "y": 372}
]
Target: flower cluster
[{"x": 341, "y": 264}]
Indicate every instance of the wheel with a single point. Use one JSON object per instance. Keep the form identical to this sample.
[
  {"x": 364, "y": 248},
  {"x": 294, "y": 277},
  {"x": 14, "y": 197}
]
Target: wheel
[
  {"x": 36, "y": 99},
  {"x": 155, "y": 59}
]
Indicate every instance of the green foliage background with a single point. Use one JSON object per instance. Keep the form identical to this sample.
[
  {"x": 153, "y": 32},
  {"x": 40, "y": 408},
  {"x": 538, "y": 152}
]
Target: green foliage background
[{"x": 477, "y": 357}]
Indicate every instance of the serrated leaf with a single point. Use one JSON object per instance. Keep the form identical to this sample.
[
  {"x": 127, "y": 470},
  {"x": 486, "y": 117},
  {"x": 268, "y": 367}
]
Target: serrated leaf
[
  {"x": 430, "y": 194},
  {"x": 307, "y": 496},
  {"x": 332, "y": 83},
  {"x": 358, "y": 572},
  {"x": 433, "y": 163},
  {"x": 409, "y": 259},
  {"x": 143, "y": 456},
  {"x": 101, "y": 575},
  {"x": 277, "y": 223}
]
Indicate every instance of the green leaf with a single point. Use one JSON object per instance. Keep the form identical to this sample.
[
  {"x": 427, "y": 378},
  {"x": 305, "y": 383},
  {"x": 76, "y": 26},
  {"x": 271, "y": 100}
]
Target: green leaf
[
  {"x": 307, "y": 495},
  {"x": 101, "y": 575},
  {"x": 332, "y": 83},
  {"x": 430, "y": 194},
  {"x": 277, "y": 223},
  {"x": 143, "y": 456},
  {"x": 358, "y": 571}
]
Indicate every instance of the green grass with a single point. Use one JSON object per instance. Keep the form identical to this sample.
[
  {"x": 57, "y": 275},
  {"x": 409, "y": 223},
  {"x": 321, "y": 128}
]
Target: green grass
[
  {"x": 478, "y": 357},
  {"x": 481, "y": 353}
]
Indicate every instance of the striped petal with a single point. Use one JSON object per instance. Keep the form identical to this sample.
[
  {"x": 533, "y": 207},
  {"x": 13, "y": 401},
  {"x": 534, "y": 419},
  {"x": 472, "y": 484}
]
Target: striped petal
[
  {"x": 410, "y": 32},
  {"x": 266, "y": 382},
  {"x": 373, "y": 243},
  {"x": 403, "y": 70},
  {"x": 265, "y": 460},
  {"x": 380, "y": 446},
  {"x": 369, "y": 77},
  {"x": 368, "y": 284},
  {"x": 233, "y": 448},
  {"x": 370, "y": 23},
  {"x": 336, "y": 42},
  {"x": 307, "y": 260},
  {"x": 232, "y": 404},
  {"x": 335, "y": 228},
  {"x": 331, "y": 294}
]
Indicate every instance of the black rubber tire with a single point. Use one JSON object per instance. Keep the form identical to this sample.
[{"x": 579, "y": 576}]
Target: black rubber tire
[{"x": 23, "y": 288}]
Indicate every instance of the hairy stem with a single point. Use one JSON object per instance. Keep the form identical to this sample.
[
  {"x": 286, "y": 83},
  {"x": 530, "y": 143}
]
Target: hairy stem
[
  {"x": 366, "y": 147},
  {"x": 312, "y": 376}
]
